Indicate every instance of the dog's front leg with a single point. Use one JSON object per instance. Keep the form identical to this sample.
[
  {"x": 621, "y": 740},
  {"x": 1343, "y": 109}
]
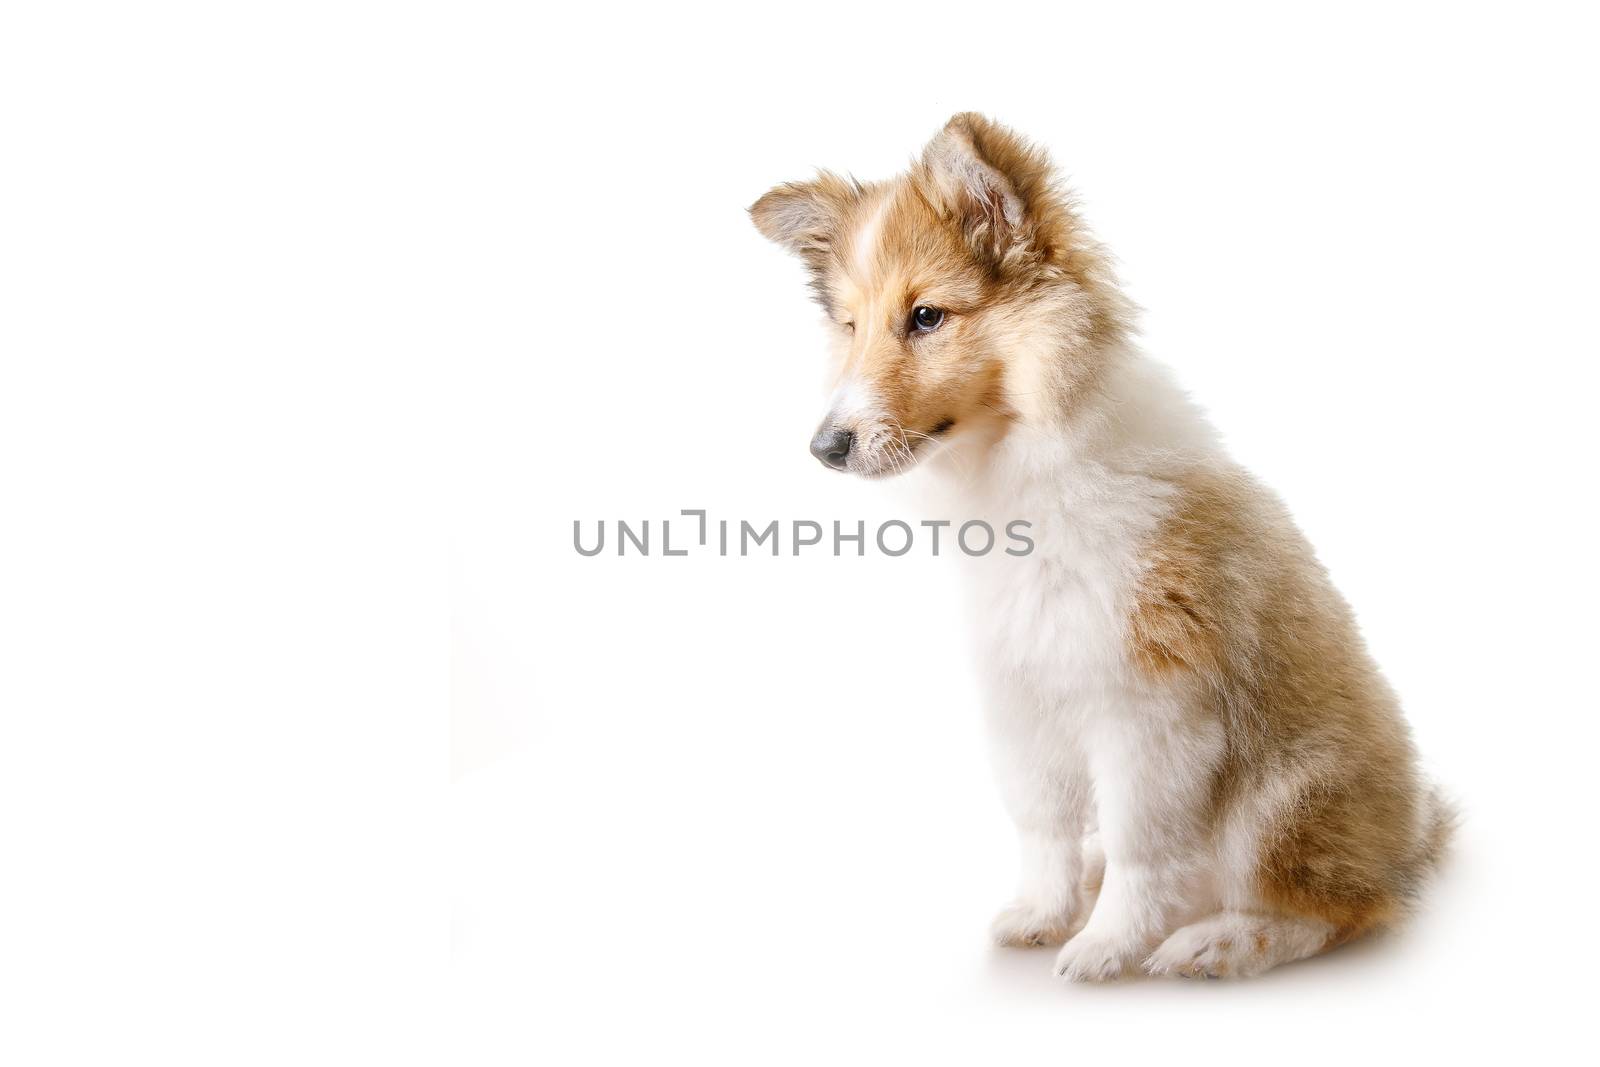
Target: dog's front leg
[
  {"x": 1048, "y": 908},
  {"x": 1152, "y": 770},
  {"x": 1044, "y": 783}
]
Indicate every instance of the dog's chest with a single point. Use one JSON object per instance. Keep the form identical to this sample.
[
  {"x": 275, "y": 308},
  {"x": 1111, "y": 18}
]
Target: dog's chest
[{"x": 1056, "y": 619}]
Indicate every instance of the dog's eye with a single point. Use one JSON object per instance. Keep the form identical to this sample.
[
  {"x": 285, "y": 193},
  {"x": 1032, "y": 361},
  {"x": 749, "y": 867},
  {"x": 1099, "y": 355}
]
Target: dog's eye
[{"x": 925, "y": 318}]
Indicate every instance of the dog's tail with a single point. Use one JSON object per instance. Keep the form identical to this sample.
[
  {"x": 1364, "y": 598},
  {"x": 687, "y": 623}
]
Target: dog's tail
[{"x": 1440, "y": 820}]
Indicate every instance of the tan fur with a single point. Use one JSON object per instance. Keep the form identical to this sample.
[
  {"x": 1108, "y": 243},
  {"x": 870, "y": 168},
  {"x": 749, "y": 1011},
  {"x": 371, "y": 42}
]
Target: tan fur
[{"x": 1232, "y": 593}]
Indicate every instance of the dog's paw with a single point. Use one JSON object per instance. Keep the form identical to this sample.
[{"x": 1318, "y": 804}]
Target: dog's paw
[
  {"x": 1239, "y": 945},
  {"x": 1094, "y": 958},
  {"x": 1022, "y": 925},
  {"x": 1212, "y": 949}
]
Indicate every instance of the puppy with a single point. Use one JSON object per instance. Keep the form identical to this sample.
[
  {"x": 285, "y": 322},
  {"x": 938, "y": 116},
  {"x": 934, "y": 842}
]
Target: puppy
[{"x": 1170, "y": 676}]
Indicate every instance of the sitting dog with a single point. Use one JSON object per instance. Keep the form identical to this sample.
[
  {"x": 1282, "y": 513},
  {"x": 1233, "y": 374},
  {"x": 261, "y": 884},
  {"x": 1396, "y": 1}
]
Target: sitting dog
[{"x": 1171, "y": 679}]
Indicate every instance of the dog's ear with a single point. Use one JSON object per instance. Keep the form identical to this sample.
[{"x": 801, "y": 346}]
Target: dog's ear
[
  {"x": 990, "y": 179},
  {"x": 805, "y": 217}
]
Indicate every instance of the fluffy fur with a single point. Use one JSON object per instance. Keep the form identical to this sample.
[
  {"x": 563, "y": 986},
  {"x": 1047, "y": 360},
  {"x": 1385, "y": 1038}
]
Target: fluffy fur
[{"x": 1208, "y": 774}]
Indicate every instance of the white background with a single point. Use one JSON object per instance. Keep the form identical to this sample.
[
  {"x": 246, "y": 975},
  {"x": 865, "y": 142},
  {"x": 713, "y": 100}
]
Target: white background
[{"x": 299, "y": 300}]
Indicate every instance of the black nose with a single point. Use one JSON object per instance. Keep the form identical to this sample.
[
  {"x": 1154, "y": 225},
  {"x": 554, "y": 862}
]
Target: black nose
[{"x": 832, "y": 446}]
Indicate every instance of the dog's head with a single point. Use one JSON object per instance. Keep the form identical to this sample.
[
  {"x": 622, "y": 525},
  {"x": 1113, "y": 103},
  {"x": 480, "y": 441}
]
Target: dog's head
[{"x": 960, "y": 294}]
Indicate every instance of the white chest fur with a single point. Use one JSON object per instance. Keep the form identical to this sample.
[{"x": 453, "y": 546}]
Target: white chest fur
[{"x": 1055, "y": 620}]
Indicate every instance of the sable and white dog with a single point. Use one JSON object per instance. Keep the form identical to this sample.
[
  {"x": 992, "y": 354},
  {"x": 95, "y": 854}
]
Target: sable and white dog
[{"x": 1169, "y": 671}]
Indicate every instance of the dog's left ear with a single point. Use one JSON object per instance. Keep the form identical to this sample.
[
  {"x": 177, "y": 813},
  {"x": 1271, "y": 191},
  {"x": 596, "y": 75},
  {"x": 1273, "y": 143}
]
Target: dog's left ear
[{"x": 990, "y": 179}]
